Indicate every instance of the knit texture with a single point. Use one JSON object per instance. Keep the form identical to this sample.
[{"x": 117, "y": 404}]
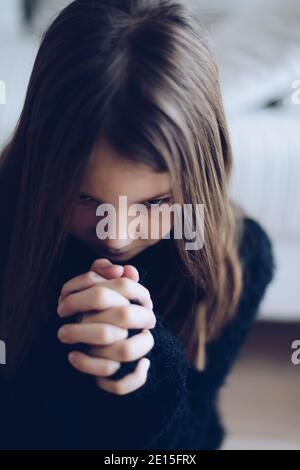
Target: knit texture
[{"x": 50, "y": 405}]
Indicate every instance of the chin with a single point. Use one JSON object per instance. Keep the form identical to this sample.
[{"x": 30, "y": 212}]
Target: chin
[{"x": 111, "y": 256}]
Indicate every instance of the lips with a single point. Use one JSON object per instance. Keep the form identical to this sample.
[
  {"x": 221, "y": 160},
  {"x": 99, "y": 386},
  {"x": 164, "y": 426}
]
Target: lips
[
  {"x": 102, "y": 251},
  {"x": 112, "y": 253},
  {"x": 116, "y": 252}
]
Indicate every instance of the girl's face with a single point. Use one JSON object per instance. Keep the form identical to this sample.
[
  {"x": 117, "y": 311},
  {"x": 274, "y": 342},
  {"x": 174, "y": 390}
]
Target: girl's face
[{"x": 107, "y": 177}]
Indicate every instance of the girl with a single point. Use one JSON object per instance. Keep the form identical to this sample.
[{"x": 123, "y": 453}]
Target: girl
[{"x": 123, "y": 100}]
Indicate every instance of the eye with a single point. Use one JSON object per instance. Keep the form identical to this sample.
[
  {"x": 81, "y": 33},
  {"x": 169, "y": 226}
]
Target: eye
[
  {"x": 157, "y": 202},
  {"x": 84, "y": 200}
]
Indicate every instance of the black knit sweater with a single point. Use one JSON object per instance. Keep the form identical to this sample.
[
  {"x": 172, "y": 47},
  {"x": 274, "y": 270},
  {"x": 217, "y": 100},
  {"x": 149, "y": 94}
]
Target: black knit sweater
[{"x": 50, "y": 405}]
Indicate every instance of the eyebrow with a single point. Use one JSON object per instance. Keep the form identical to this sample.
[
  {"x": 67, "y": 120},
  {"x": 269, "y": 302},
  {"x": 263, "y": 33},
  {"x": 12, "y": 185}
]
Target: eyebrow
[{"x": 158, "y": 196}]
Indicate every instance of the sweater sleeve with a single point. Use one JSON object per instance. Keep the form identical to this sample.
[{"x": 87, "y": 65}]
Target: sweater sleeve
[
  {"x": 256, "y": 254},
  {"x": 176, "y": 408}
]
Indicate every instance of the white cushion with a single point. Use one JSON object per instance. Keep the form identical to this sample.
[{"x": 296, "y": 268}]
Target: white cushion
[
  {"x": 10, "y": 17},
  {"x": 266, "y": 172},
  {"x": 258, "y": 53}
]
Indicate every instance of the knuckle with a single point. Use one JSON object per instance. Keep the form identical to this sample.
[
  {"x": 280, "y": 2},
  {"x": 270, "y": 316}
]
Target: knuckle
[
  {"x": 105, "y": 334},
  {"x": 126, "y": 351},
  {"x": 89, "y": 276},
  {"x": 123, "y": 311},
  {"x": 98, "y": 296},
  {"x": 109, "y": 368},
  {"x": 126, "y": 314},
  {"x": 120, "y": 389},
  {"x": 124, "y": 283}
]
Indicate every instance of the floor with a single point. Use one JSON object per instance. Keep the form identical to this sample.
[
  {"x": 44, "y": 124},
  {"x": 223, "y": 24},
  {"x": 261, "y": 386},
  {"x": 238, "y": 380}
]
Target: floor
[{"x": 260, "y": 403}]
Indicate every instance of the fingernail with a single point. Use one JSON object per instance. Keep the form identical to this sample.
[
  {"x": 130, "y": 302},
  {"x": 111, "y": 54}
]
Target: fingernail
[
  {"x": 112, "y": 266},
  {"x": 103, "y": 263},
  {"x": 71, "y": 356},
  {"x": 60, "y": 308},
  {"x": 61, "y": 332}
]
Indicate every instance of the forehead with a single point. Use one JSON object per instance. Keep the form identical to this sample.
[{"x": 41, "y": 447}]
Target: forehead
[{"x": 109, "y": 175}]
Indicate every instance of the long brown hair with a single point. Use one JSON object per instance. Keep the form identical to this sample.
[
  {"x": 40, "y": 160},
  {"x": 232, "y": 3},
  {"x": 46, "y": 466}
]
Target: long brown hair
[{"x": 138, "y": 73}]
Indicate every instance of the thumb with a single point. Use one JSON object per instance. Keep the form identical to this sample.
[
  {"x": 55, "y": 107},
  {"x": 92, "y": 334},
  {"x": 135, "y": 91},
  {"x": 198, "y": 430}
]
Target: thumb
[
  {"x": 131, "y": 272},
  {"x": 105, "y": 268}
]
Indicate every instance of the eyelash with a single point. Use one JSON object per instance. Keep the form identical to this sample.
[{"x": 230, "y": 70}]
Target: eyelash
[
  {"x": 84, "y": 200},
  {"x": 156, "y": 201}
]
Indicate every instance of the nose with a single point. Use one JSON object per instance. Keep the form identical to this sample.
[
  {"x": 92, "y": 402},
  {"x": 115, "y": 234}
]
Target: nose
[{"x": 119, "y": 234}]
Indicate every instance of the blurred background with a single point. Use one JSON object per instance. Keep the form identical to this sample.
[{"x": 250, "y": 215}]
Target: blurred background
[{"x": 256, "y": 44}]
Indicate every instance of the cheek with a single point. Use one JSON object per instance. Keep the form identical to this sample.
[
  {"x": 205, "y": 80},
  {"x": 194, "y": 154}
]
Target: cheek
[
  {"x": 166, "y": 225},
  {"x": 159, "y": 225},
  {"x": 83, "y": 222}
]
